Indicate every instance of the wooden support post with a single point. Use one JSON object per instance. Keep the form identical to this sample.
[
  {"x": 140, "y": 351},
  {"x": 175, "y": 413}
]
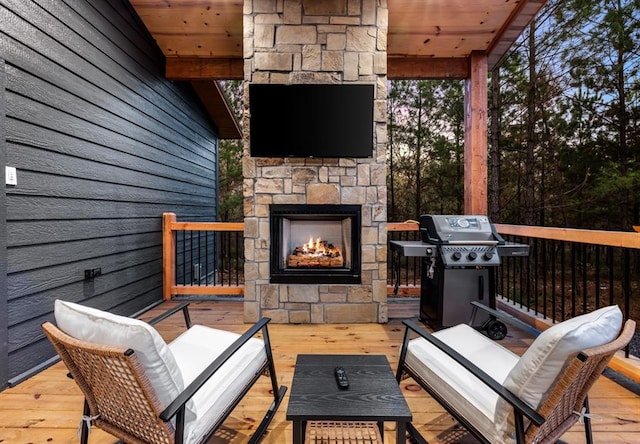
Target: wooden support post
[
  {"x": 168, "y": 255},
  {"x": 475, "y": 136}
]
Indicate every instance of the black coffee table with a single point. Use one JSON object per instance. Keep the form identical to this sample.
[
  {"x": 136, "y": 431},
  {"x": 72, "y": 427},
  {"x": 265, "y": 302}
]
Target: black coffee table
[{"x": 373, "y": 393}]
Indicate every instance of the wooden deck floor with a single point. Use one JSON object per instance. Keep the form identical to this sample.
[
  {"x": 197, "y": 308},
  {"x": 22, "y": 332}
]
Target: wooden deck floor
[{"x": 47, "y": 407}]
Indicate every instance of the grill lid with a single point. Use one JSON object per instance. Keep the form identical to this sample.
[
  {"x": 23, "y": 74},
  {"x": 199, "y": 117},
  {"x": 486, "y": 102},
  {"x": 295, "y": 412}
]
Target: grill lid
[{"x": 458, "y": 230}]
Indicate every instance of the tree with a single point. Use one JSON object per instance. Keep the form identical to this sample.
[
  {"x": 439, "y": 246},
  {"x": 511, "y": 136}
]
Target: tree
[
  {"x": 606, "y": 57},
  {"x": 561, "y": 120},
  {"x": 230, "y": 161},
  {"x": 426, "y": 144}
]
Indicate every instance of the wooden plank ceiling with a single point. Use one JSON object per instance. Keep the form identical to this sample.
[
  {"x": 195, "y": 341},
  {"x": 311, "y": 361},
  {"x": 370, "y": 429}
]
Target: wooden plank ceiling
[{"x": 427, "y": 39}]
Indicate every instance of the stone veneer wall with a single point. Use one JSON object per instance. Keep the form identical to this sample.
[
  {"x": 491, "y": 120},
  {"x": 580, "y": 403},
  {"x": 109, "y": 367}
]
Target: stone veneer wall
[{"x": 316, "y": 41}]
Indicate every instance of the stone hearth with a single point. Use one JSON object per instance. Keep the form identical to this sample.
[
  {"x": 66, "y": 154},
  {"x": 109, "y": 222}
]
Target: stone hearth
[{"x": 316, "y": 41}]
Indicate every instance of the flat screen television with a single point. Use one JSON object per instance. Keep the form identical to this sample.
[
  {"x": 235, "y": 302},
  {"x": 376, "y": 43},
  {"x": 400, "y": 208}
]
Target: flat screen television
[{"x": 311, "y": 120}]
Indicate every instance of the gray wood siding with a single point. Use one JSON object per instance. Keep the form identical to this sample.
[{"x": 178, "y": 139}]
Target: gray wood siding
[
  {"x": 4, "y": 347},
  {"x": 103, "y": 145}
]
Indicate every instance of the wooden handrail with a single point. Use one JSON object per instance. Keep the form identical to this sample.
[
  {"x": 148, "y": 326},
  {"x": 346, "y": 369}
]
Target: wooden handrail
[
  {"x": 622, "y": 239},
  {"x": 207, "y": 226},
  {"x": 596, "y": 237},
  {"x": 402, "y": 226}
]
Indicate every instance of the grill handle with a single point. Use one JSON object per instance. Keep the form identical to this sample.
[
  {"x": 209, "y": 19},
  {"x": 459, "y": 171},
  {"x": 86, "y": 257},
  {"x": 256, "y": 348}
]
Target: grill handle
[{"x": 472, "y": 242}]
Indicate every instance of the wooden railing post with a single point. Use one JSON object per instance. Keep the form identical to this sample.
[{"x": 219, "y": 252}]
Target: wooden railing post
[{"x": 168, "y": 255}]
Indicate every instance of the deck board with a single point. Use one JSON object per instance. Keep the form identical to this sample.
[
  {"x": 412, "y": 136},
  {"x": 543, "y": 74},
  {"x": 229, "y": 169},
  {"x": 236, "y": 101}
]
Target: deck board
[{"x": 47, "y": 407}]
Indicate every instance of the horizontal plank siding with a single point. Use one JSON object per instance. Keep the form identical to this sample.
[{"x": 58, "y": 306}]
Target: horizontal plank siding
[
  {"x": 154, "y": 149},
  {"x": 33, "y": 232},
  {"x": 59, "y": 278},
  {"x": 134, "y": 172},
  {"x": 37, "y": 208},
  {"x": 123, "y": 79},
  {"x": 103, "y": 145},
  {"x": 4, "y": 349}
]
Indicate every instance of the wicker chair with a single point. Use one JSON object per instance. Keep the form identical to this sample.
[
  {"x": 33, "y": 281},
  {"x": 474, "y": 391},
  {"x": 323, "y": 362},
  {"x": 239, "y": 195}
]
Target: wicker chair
[
  {"x": 151, "y": 392},
  {"x": 500, "y": 397}
]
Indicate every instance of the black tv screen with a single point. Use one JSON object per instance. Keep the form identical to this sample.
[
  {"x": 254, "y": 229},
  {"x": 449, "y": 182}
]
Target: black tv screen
[{"x": 317, "y": 120}]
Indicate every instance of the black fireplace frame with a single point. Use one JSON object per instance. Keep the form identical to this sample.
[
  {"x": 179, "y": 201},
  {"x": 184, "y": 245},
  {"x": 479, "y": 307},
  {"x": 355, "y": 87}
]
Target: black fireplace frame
[{"x": 347, "y": 275}]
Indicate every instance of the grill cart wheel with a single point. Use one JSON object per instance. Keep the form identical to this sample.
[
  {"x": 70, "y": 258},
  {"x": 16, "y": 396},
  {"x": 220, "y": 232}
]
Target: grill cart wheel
[{"x": 495, "y": 329}]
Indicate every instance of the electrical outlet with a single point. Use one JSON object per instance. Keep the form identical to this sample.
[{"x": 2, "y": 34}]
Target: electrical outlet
[
  {"x": 197, "y": 272},
  {"x": 91, "y": 273}
]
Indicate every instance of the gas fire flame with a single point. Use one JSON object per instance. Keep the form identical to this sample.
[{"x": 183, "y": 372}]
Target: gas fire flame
[
  {"x": 318, "y": 253},
  {"x": 317, "y": 248}
]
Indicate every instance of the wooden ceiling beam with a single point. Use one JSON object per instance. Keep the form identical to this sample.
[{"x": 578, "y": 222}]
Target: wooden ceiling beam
[
  {"x": 190, "y": 68},
  {"x": 216, "y": 105},
  {"x": 398, "y": 68},
  {"x": 427, "y": 68},
  {"x": 515, "y": 25}
]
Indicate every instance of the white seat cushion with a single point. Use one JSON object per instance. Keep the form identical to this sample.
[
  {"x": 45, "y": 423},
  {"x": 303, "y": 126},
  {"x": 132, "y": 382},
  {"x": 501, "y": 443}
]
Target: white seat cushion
[
  {"x": 470, "y": 397},
  {"x": 100, "y": 327},
  {"x": 539, "y": 367},
  {"x": 172, "y": 367},
  {"x": 196, "y": 349}
]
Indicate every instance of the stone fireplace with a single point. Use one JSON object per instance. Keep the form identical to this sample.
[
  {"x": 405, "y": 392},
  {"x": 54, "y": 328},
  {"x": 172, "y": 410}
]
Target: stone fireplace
[{"x": 316, "y": 42}]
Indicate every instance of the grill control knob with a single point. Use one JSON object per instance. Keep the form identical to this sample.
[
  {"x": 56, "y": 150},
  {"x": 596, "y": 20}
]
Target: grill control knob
[
  {"x": 488, "y": 255},
  {"x": 472, "y": 255},
  {"x": 456, "y": 256}
]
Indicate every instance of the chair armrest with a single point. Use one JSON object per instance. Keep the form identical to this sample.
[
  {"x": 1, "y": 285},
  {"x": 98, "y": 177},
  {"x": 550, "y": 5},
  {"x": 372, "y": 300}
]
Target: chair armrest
[
  {"x": 184, "y": 307},
  {"x": 504, "y": 393},
  {"x": 503, "y": 316},
  {"x": 180, "y": 401}
]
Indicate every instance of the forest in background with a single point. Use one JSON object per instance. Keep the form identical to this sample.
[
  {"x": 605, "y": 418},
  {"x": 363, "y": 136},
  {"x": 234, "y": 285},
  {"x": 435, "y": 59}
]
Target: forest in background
[{"x": 564, "y": 128}]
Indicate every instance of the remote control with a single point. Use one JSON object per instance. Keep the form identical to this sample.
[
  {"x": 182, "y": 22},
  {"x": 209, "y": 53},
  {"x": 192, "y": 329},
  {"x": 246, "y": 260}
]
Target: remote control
[{"x": 341, "y": 378}]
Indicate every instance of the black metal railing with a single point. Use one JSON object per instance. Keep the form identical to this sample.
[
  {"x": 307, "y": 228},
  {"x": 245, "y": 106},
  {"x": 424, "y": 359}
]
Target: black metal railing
[
  {"x": 205, "y": 257},
  {"x": 405, "y": 277},
  {"x": 560, "y": 280}
]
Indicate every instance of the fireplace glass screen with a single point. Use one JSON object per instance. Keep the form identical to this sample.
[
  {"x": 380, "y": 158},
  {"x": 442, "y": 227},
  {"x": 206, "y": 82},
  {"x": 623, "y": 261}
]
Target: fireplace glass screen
[{"x": 315, "y": 243}]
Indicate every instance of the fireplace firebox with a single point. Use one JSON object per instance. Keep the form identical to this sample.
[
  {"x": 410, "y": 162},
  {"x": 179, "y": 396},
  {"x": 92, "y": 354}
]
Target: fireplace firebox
[{"x": 315, "y": 244}]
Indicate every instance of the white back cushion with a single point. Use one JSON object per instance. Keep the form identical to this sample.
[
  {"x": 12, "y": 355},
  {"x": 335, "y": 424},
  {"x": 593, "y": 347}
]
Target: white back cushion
[
  {"x": 540, "y": 366},
  {"x": 100, "y": 327}
]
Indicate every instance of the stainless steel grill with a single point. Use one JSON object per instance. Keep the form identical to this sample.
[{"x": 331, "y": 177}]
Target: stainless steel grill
[{"x": 459, "y": 256}]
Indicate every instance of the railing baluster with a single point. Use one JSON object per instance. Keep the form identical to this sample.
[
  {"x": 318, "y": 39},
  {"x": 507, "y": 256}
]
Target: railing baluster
[
  {"x": 534, "y": 285},
  {"x": 206, "y": 257},
  {"x": 199, "y": 256},
  {"x": 626, "y": 288},
  {"x": 611, "y": 276},
  {"x": 216, "y": 259},
  {"x": 573, "y": 279},
  {"x": 563, "y": 275},
  {"x": 585, "y": 290},
  {"x": 524, "y": 283},
  {"x": 175, "y": 255},
  {"x": 544, "y": 277},
  {"x": 554, "y": 293},
  {"x": 190, "y": 263},
  {"x": 597, "y": 276},
  {"x": 229, "y": 251},
  {"x": 184, "y": 257}
]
